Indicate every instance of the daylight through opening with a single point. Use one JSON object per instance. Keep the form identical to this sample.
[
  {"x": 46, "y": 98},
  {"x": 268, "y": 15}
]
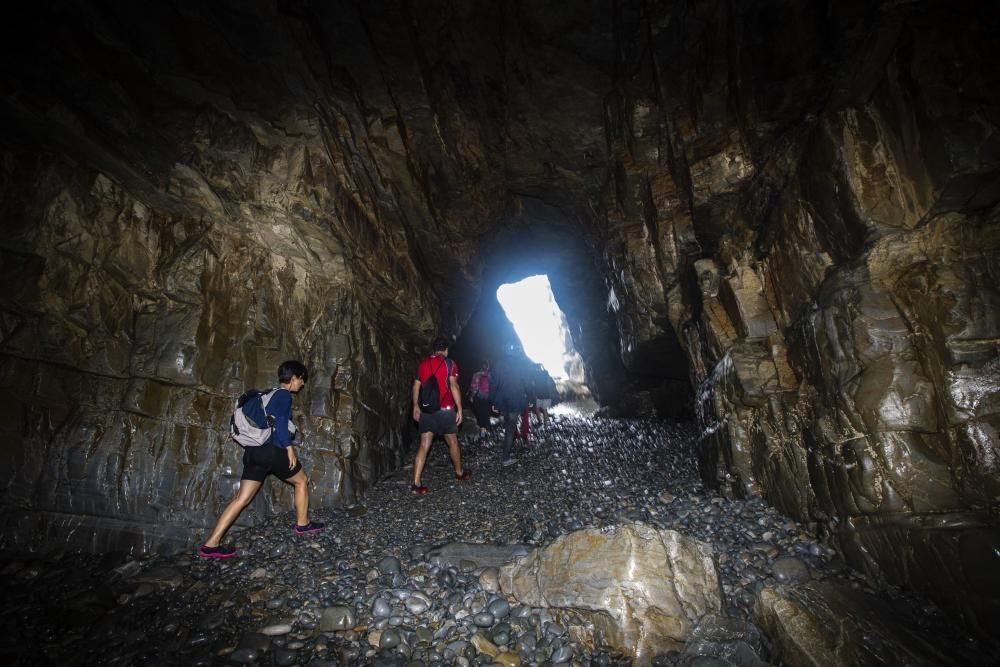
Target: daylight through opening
[{"x": 531, "y": 308}]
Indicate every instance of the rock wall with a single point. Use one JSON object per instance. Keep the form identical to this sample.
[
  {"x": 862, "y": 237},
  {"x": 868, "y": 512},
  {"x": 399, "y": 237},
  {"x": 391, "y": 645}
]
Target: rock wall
[
  {"x": 128, "y": 330},
  {"x": 171, "y": 235},
  {"x": 810, "y": 199}
]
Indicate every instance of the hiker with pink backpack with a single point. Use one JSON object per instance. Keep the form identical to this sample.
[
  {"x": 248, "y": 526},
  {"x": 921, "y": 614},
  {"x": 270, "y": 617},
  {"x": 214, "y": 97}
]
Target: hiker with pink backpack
[{"x": 479, "y": 391}]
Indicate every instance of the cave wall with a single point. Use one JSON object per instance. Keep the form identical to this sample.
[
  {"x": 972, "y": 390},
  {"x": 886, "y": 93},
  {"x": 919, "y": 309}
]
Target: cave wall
[
  {"x": 128, "y": 329},
  {"x": 177, "y": 221},
  {"x": 809, "y": 197}
]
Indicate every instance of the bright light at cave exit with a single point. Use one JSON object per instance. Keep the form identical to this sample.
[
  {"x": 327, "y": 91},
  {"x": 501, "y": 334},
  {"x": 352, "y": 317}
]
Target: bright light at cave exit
[{"x": 538, "y": 322}]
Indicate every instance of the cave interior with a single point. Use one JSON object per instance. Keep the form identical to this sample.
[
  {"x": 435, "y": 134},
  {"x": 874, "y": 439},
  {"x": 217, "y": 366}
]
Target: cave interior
[{"x": 776, "y": 218}]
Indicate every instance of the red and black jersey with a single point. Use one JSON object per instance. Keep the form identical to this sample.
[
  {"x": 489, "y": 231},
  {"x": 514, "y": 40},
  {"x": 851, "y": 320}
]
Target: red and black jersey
[{"x": 439, "y": 366}]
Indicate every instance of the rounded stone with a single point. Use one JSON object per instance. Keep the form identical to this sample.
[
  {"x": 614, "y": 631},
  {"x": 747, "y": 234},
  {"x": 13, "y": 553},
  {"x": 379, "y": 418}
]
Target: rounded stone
[
  {"x": 489, "y": 579},
  {"x": 284, "y": 657},
  {"x": 416, "y": 605},
  {"x": 483, "y": 619},
  {"x": 563, "y": 654},
  {"x": 501, "y": 636},
  {"x": 381, "y": 608},
  {"x": 789, "y": 570},
  {"x": 243, "y": 656},
  {"x": 499, "y": 608},
  {"x": 391, "y": 638},
  {"x": 338, "y": 617},
  {"x": 389, "y": 565}
]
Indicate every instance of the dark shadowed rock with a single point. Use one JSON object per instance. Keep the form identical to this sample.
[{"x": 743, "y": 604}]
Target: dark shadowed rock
[{"x": 827, "y": 623}]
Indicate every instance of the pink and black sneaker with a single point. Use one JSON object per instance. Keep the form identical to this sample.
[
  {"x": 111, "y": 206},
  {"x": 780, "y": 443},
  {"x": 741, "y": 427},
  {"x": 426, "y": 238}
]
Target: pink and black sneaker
[
  {"x": 216, "y": 552},
  {"x": 311, "y": 527}
]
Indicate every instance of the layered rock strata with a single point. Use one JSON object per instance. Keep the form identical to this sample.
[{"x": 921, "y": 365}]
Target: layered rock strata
[
  {"x": 828, "y": 623},
  {"x": 172, "y": 234},
  {"x": 815, "y": 212}
]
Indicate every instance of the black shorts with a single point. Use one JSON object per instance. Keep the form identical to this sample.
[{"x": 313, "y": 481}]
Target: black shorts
[
  {"x": 441, "y": 422},
  {"x": 259, "y": 461}
]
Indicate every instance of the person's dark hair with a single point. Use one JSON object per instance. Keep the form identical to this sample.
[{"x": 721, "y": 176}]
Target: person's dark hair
[
  {"x": 486, "y": 365},
  {"x": 440, "y": 344},
  {"x": 291, "y": 368}
]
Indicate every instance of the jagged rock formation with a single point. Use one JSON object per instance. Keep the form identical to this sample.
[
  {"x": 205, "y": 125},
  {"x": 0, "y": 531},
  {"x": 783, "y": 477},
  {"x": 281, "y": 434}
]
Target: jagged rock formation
[
  {"x": 787, "y": 211},
  {"x": 844, "y": 344}
]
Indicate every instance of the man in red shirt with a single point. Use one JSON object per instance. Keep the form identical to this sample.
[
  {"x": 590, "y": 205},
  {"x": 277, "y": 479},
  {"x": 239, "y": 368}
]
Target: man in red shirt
[{"x": 444, "y": 421}]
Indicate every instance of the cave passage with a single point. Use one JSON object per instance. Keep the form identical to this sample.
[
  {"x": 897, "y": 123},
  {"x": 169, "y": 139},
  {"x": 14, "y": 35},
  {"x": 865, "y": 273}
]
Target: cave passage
[
  {"x": 772, "y": 228},
  {"x": 540, "y": 326}
]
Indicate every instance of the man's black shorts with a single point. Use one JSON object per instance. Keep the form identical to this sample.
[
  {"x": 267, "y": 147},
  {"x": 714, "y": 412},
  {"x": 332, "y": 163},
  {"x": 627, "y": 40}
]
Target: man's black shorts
[
  {"x": 259, "y": 461},
  {"x": 441, "y": 422}
]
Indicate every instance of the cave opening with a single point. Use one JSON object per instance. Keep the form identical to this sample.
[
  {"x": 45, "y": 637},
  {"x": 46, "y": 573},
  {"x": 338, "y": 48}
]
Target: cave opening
[
  {"x": 541, "y": 326},
  {"x": 541, "y": 240}
]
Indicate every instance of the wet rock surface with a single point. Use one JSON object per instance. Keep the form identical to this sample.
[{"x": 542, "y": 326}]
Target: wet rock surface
[
  {"x": 637, "y": 588},
  {"x": 413, "y": 580}
]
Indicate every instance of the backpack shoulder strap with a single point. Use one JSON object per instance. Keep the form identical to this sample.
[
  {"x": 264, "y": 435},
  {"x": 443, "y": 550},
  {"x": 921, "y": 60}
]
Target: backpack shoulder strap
[{"x": 266, "y": 397}]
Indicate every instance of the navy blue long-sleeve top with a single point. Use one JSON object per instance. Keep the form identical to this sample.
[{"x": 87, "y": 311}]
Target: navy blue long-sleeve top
[{"x": 280, "y": 407}]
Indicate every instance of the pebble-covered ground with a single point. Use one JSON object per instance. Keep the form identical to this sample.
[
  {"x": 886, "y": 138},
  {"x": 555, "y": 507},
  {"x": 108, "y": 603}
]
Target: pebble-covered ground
[{"x": 365, "y": 591}]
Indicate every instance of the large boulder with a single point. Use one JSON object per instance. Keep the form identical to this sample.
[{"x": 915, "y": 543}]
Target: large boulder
[{"x": 634, "y": 588}]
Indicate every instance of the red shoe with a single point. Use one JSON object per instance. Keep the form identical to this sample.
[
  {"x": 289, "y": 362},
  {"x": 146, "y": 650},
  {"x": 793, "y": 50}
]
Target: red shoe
[
  {"x": 464, "y": 477},
  {"x": 418, "y": 490}
]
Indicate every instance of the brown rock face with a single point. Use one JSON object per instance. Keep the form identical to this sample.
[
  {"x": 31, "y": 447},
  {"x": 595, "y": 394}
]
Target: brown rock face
[
  {"x": 882, "y": 341},
  {"x": 777, "y": 216},
  {"x": 841, "y": 328}
]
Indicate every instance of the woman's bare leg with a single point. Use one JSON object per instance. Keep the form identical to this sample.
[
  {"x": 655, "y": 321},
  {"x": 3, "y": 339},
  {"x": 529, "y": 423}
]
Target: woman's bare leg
[{"x": 248, "y": 489}]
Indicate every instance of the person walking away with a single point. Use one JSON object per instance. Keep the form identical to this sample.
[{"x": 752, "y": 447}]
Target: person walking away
[
  {"x": 510, "y": 393},
  {"x": 479, "y": 389},
  {"x": 525, "y": 429},
  {"x": 275, "y": 457},
  {"x": 545, "y": 393},
  {"x": 446, "y": 419}
]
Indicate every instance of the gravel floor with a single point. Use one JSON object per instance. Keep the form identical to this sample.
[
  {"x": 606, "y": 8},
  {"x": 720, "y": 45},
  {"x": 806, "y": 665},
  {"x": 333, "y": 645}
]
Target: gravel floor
[{"x": 365, "y": 591}]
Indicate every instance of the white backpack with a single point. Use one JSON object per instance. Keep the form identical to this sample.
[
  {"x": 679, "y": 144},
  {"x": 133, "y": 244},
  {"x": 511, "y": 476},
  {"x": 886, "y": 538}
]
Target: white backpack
[{"x": 249, "y": 412}]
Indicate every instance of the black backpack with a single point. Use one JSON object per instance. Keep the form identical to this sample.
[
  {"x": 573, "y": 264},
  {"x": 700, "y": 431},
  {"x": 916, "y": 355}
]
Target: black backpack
[{"x": 430, "y": 393}]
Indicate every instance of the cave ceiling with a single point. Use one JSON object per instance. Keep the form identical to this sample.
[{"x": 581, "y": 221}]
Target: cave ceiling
[{"x": 433, "y": 120}]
